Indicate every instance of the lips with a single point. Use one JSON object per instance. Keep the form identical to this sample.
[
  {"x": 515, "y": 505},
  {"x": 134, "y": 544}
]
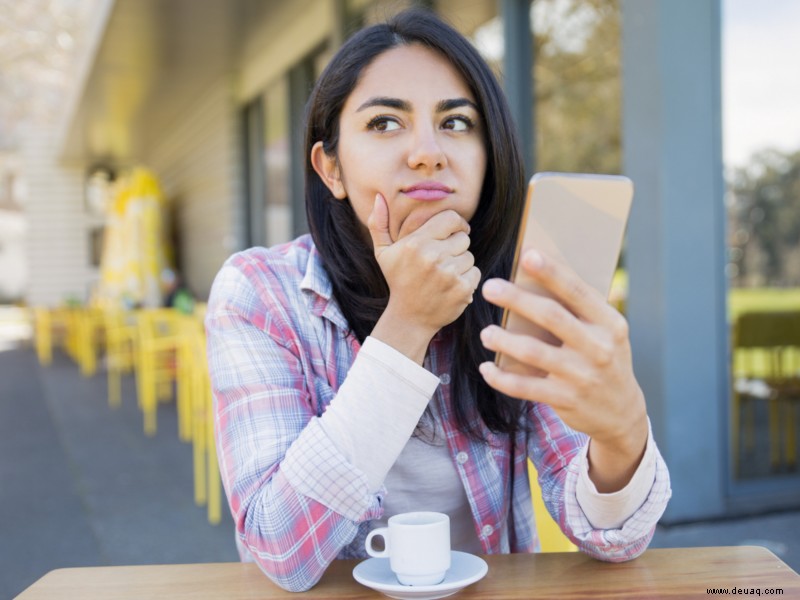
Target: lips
[{"x": 427, "y": 191}]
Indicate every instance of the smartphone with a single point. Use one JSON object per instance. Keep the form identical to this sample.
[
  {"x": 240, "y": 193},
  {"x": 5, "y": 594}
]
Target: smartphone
[{"x": 577, "y": 219}]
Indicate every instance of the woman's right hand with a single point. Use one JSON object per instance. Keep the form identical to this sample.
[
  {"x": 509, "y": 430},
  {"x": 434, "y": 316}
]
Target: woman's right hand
[{"x": 430, "y": 272}]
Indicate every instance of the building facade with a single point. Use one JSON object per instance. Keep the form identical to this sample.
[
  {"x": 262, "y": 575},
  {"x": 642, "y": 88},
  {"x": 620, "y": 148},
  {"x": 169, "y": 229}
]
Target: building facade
[{"x": 209, "y": 94}]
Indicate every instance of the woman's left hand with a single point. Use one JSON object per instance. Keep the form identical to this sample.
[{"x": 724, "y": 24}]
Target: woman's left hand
[{"x": 589, "y": 379}]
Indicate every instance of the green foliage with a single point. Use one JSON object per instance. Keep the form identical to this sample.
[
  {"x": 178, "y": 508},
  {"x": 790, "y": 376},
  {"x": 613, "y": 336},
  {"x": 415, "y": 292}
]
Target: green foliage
[
  {"x": 764, "y": 213},
  {"x": 577, "y": 73}
]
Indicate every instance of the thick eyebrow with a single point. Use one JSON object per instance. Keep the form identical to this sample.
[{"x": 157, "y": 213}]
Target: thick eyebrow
[
  {"x": 446, "y": 105},
  {"x": 387, "y": 102},
  {"x": 398, "y": 104}
]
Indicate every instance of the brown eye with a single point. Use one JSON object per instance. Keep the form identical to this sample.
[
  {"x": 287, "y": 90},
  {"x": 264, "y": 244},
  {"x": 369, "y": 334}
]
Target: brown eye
[
  {"x": 458, "y": 123},
  {"x": 383, "y": 124}
]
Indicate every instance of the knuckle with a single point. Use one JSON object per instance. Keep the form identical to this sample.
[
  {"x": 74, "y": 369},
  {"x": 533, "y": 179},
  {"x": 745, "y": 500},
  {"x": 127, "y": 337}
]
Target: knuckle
[
  {"x": 413, "y": 244},
  {"x": 470, "y": 260},
  {"x": 454, "y": 270},
  {"x": 429, "y": 260},
  {"x": 453, "y": 219},
  {"x": 466, "y": 289},
  {"x": 533, "y": 353},
  {"x": 473, "y": 277},
  {"x": 577, "y": 289},
  {"x": 603, "y": 355},
  {"x": 620, "y": 330},
  {"x": 551, "y": 312}
]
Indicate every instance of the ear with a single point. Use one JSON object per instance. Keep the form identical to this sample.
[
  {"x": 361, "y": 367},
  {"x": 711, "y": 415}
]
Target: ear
[{"x": 327, "y": 168}]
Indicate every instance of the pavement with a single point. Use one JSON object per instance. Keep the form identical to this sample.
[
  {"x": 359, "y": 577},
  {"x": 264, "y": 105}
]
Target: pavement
[{"x": 81, "y": 485}]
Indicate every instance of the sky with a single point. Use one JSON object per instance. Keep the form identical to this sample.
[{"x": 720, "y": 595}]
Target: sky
[{"x": 760, "y": 77}]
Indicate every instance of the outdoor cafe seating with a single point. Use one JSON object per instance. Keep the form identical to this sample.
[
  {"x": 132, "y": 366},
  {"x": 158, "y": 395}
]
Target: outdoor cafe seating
[
  {"x": 165, "y": 351},
  {"x": 766, "y": 370}
]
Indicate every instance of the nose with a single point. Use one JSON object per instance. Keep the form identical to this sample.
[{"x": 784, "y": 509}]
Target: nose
[{"x": 426, "y": 150}]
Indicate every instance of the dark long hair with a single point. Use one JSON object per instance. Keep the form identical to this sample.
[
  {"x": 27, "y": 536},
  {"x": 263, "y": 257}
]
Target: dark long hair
[{"x": 358, "y": 283}]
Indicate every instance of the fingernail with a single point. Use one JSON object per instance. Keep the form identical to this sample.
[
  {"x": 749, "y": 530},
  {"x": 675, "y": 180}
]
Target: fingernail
[
  {"x": 484, "y": 368},
  {"x": 487, "y": 333},
  {"x": 533, "y": 259},
  {"x": 492, "y": 287}
]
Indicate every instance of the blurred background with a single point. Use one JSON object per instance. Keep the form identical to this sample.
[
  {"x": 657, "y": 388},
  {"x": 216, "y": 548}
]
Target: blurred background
[{"x": 144, "y": 141}]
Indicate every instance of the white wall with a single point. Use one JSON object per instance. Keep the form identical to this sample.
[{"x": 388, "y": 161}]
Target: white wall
[
  {"x": 198, "y": 161},
  {"x": 13, "y": 259},
  {"x": 58, "y": 225}
]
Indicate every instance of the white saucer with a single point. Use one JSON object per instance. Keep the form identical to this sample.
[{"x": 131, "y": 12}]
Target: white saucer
[{"x": 464, "y": 570}]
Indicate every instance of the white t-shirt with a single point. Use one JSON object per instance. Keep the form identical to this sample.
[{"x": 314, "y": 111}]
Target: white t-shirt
[{"x": 424, "y": 478}]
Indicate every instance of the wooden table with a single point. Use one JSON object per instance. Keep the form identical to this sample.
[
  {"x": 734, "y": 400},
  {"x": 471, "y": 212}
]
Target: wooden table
[{"x": 663, "y": 573}]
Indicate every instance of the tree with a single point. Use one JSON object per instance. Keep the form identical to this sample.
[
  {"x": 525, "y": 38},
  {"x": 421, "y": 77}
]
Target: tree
[
  {"x": 764, "y": 220},
  {"x": 577, "y": 85},
  {"x": 37, "y": 51}
]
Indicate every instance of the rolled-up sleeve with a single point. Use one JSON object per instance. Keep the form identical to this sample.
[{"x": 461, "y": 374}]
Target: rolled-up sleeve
[
  {"x": 265, "y": 425},
  {"x": 298, "y": 494},
  {"x": 560, "y": 458}
]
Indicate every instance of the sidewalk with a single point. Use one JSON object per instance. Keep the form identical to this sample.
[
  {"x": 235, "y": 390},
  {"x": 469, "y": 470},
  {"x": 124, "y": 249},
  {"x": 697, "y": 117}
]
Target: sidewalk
[{"x": 81, "y": 485}]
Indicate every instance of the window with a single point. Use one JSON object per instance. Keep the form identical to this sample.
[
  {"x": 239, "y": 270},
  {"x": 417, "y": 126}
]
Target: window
[
  {"x": 276, "y": 157},
  {"x": 762, "y": 168},
  {"x": 273, "y": 140}
]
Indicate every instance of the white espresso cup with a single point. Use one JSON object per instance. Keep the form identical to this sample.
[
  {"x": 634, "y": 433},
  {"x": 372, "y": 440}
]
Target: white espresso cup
[{"x": 417, "y": 545}]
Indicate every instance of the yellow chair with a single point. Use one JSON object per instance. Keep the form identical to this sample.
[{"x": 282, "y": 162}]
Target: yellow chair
[
  {"x": 71, "y": 332},
  {"x": 792, "y": 392},
  {"x": 766, "y": 367},
  {"x": 157, "y": 343},
  {"x": 89, "y": 332},
  {"x": 120, "y": 326},
  {"x": 50, "y": 328},
  {"x": 207, "y": 485},
  {"x": 189, "y": 328},
  {"x": 200, "y": 311},
  {"x": 551, "y": 538},
  {"x": 43, "y": 334}
]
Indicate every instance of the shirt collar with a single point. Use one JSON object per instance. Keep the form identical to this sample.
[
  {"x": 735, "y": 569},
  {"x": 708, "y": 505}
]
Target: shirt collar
[{"x": 318, "y": 290}]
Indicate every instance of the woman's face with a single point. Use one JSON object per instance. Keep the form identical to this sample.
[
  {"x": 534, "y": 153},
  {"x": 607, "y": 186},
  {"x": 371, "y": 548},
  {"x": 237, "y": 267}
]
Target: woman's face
[{"x": 411, "y": 131}]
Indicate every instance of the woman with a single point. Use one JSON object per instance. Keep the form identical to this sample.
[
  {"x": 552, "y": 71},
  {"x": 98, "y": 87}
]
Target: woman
[{"x": 352, "y": 368}]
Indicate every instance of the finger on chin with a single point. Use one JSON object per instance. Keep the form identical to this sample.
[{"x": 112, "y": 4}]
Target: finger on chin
[{"x": 442, "y": 222}]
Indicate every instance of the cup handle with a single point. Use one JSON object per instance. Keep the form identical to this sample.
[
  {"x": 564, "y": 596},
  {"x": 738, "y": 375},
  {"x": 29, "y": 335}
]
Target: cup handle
[{"x": 384, "y": 533}]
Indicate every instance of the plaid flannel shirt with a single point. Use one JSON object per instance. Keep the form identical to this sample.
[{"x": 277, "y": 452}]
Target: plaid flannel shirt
[{"x": 279, "y": 348}]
